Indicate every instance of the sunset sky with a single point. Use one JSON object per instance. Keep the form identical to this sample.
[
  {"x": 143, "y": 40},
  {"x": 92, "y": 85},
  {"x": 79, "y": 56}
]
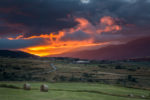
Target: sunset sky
[{"x": 53, "y": 27}]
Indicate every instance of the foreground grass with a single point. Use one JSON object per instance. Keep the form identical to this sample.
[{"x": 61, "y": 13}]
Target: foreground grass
[{"x": 70, "y": 91}]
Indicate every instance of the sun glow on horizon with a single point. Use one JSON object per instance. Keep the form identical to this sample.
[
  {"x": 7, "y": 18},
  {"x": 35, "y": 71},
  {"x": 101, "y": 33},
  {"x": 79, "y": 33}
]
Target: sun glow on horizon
[
  {"x": 54, "y": 44},
  {"x": 47, "y": 50}
]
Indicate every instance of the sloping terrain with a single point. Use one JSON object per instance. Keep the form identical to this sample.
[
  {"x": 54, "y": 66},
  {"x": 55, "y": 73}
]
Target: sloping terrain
[
  {"x": 134, "y": 49},
  {"x": 21, "y": 69},
  {"x": 15, "y": 54},
  {"x": 125, "y": 73}
]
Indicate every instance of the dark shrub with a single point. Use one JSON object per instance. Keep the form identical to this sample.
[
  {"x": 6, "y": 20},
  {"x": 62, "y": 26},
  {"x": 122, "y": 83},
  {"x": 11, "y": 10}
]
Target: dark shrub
[{"x": 9, "y": 86}]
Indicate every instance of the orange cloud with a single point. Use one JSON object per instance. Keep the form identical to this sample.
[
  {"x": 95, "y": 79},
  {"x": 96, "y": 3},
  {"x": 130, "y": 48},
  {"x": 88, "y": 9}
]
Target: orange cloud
[
  {"x": 31, "y": 37},
  {"x": 109, "y": 24},
  {"x": 60, "y": 47},
  {"x": 55, "y": 45}
]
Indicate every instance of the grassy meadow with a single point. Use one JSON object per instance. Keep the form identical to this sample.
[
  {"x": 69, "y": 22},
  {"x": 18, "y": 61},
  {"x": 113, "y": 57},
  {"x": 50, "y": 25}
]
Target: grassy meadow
[
  {"x": 98, "y": 80},
  {"x": 71, "y": 91}
]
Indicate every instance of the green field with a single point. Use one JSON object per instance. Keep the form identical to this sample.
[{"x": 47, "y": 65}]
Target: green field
[
  {"x": 71, "y": 91},
  {"x": 98, "y": 80},
  {"x": 124, "y": 73}
]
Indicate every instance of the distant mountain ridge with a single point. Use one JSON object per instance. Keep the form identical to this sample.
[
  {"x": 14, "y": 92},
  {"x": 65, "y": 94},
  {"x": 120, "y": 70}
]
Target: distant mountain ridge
[
  {"x": 141, "y": 59},
  {"x": 15, "y": 54},
  {"x": 138, "y": 48}
]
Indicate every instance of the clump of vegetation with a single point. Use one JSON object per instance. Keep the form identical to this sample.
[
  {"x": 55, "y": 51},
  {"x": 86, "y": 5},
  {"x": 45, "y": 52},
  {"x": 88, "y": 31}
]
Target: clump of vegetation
[
  {"x": 9, "y": 86},
  {"x": 87, "y": 75},
  {"x": 63, "y": 78},
  {"x": 132, "y": 69},
  {"x": 131, "y": 78},
  {"x": 119, "y": 67}
]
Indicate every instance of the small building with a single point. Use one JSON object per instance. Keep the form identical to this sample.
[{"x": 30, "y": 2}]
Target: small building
[{"x": 82, "y": 62}]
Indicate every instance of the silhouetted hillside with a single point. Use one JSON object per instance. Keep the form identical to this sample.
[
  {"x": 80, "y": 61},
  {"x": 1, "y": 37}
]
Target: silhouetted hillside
[
  {"x": 134, "y": 49},
  {"x": 141, "y": 59},
  {"x": 15, "y": 54}
]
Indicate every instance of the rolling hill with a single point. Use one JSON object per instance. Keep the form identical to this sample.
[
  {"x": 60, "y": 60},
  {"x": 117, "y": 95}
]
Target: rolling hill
[
  {"x": 15, "y": 54},
  {"x": 132, "y": 49}
]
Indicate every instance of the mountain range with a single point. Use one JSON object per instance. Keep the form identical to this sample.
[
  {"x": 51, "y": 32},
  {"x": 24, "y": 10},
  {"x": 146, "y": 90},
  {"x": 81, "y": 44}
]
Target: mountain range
[{"x": 133, "y": 49}]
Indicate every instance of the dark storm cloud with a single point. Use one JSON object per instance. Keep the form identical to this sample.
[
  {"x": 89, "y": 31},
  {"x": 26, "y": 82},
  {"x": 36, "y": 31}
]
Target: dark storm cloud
[
  {"x": 44, "y": 16},
  {"x": 137, "y": 12},
  {"x": 38, "y": 16},
  {"x": 131, "y": 11},
  {"x": 79, "y": 35},
  {"x": 17, "y": 44}
]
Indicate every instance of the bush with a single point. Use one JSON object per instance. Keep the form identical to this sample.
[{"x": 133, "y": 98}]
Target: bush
[
  {"x": 131, "y": 78},
  {"x": 74, "y": 79},
  {"x": 119, "y": 67},
  {"x": 102, "y": 66},
  {"x": 132, "y": 69},
  {"x": 86, "y": 75},
  {"x": 9, "y": 86},
  {"x": 63, "y": 78}
]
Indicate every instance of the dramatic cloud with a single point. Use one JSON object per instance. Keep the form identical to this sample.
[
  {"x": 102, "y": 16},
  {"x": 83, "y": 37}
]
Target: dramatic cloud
[
  {"x": 43, "y": 27},
  {"x": 83, "y": 35}
]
